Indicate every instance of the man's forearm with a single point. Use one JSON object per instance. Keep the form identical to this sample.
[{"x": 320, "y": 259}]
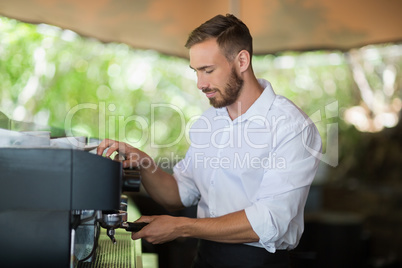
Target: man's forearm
[
  {"x": 162, "y": 187},
  {"x": 230, "y": 228}
]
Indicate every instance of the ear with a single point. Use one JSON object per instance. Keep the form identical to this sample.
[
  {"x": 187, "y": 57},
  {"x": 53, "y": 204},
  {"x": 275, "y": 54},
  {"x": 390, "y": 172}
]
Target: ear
[{"x": 243, "y": 60}]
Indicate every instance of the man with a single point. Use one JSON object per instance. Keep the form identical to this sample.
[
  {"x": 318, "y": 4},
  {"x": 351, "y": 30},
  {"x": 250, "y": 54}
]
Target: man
[{"x": 248, "y": 168}]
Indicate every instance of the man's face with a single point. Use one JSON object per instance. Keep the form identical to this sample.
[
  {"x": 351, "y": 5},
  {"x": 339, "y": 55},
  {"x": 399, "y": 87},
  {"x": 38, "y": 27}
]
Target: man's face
[{"x": 217, "y": 77}]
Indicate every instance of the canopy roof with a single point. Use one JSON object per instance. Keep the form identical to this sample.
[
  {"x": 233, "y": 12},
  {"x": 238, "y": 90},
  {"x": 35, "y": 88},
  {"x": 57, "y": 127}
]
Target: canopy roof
[{"x": 276, "y": 25}]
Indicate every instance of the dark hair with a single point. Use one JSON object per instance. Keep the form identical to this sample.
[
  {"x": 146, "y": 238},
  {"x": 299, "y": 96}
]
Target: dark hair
[{"x": 232, "y": 35}]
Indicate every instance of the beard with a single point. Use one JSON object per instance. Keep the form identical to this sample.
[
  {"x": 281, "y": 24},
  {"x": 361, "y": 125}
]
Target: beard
[{"x": 230, "y": 93}]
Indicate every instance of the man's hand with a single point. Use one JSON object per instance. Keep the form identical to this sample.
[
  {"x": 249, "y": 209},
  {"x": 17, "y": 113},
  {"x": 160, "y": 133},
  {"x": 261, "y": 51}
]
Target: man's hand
[
  {"x": 161, "y": 186},
  {"x": 230, "y": 228},
  {"x": 160, "y": 229},
  {"x": 132, "y": 157}
]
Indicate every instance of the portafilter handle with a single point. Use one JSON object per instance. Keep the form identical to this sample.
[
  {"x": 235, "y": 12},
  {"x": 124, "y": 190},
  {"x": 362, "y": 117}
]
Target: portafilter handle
[
  {"x": 129, "y": 226},
  {"x": 133, "y": 226},
  {"x": 112, "y": 220}
]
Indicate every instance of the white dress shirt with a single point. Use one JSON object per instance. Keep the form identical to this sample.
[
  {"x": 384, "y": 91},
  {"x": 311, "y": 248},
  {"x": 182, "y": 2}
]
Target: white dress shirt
[{"x": 260, "y": 162}]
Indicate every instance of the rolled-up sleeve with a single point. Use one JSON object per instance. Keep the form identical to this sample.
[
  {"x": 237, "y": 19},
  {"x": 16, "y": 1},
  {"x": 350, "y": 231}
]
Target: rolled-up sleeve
[
  {"x": 183, "y": 173},
  {"x": 276, "y": 214}
]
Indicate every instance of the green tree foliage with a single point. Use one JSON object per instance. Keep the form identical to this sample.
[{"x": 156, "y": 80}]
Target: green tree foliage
[{"x": 55, "y": 77}]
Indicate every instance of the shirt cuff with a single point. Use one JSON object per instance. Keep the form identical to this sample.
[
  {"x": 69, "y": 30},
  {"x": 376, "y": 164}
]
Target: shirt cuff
[{"x": 262, "y": 224}]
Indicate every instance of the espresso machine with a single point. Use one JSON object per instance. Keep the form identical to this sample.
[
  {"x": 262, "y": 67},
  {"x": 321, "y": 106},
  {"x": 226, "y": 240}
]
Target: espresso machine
[{"x": 56, "y": 202}]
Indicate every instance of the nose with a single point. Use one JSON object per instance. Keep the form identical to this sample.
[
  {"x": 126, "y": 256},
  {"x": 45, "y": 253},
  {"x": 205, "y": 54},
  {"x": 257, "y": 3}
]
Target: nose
[{"x": 201, "y": 82}]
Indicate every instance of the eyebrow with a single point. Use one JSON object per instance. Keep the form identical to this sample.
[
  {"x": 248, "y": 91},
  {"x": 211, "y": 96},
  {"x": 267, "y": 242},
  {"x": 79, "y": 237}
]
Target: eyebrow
[{"x": 201, "y": 68}]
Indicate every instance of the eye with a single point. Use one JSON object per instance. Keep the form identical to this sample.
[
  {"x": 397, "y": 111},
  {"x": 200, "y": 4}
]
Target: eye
[{"x": 209, "y": 71}]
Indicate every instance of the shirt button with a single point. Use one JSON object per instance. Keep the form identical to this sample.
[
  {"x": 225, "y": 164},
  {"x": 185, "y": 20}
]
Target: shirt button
[{"x": 212, "y": 182}]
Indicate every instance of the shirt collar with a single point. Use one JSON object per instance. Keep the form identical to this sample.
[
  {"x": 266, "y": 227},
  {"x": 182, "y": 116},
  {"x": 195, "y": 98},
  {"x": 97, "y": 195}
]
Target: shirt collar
[{"x": 259, "y": 108}]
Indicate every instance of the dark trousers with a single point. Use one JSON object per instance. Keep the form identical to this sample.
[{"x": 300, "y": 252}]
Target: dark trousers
[{"x": 224, "y": 255}]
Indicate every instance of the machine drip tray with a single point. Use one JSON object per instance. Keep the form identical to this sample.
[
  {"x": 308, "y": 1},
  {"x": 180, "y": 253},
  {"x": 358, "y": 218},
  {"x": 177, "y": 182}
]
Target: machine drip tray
[{"x": 125, "y": 253}]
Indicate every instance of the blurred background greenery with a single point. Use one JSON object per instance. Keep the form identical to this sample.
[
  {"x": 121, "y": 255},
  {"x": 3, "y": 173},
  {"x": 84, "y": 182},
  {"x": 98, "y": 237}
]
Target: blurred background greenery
[
  {"x": 54, "y": 77},
  {"x": 50, "y": 76}
]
